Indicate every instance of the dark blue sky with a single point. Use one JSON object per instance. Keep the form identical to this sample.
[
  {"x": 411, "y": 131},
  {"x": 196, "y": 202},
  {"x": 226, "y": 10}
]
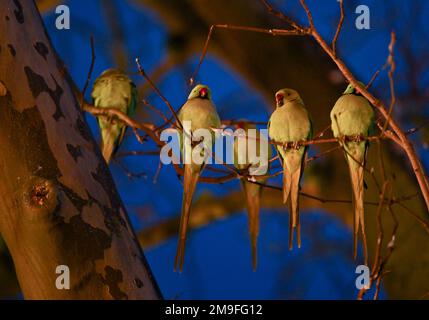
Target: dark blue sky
[{"x": 217, "y": 263}]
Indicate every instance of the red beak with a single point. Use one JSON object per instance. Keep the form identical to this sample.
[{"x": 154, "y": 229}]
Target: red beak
[{"x": 203, "y": 92}]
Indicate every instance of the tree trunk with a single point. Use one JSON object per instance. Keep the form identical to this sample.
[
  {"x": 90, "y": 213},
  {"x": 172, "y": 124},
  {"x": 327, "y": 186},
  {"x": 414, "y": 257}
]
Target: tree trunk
[{"x": 58, "y": 202}]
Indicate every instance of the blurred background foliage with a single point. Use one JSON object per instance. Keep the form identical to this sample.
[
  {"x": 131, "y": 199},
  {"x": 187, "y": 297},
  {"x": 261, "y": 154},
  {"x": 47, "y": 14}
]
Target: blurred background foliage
[{"x": 244, "y": 70}]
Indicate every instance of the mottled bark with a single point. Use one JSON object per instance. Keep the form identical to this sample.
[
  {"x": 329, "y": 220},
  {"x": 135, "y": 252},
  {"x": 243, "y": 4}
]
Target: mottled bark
[{"x": 58, "y": 202}]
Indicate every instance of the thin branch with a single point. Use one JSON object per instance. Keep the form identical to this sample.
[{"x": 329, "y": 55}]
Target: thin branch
[
  {"x": 155, "y": 88},
  {"x": 317, "y": 156},
  {"x": 374, "y": 77},
  {"x": 339, "y": 26},
  {"x": 148, "y": 128},
  {"x": 91, "y": 68},
  {"x": 392, "y": 64},
  {"x": 129, "y": 174},
  {"x": 160, "y": 113},
  {"x": 137, "y": 153},
  {"x": 421, "y": 221},
  {"x": 273, "y": 32},
  {"x": 309, "y": 15},
  {"x": 281, "y": 15}
]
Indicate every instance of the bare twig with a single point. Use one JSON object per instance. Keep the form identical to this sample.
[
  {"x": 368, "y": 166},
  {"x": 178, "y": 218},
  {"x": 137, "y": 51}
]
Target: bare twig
[
  {"x": 137, "y": 153},
  {"x": 281, "y": 15},
  {"x": 309, "y": 15},
  {"x": 113, "y": 112},
  {"x": 273, "y": 32},
  {"x": 91, "y": 68},
  {"x": 317, "y": 156},
  {"x": 129, "y": 174},
  {"x": 340, "y": 25},
  {"x": 391, "y": 63},
  {"x": 374, "y": 77},
  {"x": 158, "y": 92},
  {"x": 421, "y": 221},
  {"x": 160, "y": 113}
]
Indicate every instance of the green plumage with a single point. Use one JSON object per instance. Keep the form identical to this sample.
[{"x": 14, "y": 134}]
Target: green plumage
[
  {"x": 113, "y": 89},
  {"x": 252, "y": 191},
  {"x": 353, "y": 117},
  {"x": 201, "y": 112},
  {"x": 290, "y": 122}
]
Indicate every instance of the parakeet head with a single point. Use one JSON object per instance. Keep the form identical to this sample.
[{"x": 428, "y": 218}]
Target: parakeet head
[
  {"x": 351, "y": 89},
  {"x": 200, "y": 91},
  {"x": 286, "y": 95},
  {"x": 109, "y": 80},
  {"x": 112, "y": 75}
]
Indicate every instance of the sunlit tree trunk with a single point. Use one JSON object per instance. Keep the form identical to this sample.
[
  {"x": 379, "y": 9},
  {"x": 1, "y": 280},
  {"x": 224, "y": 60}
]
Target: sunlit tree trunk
[{"x": 58, "y": 203}]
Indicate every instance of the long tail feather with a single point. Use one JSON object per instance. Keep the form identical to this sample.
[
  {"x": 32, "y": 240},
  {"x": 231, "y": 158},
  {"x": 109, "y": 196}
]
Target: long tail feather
[
  {"x": 252, "y": 193},
  {"x": 295, "y": 206},
  {"x": 294, "y": 209},
  {"x": 356, "y": 175},
  {"x": 190, "y": 180},
  {"x": 111, "y": 136},
  {"x": 107, "y": 151},
  {"x": 287, "y": 180}
]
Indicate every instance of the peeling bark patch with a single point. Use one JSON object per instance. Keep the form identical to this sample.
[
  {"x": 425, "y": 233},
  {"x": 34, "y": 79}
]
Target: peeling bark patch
[
  {"x": 82, "y": 128},
  {"x": 92, "y": 241},
  {"x": 112, "y": 220},
  {"x": 38, "y": 85},
  {"x": 42, "y": 49},
  {"x": 19, "y": 14},
  {"x": 28, "y": 138},
  {"x": 77, "y": 201},
  {"x": 103, "y": 177},
  {"x": 112, "y": 280},
  {"x": 83, "y": 245},
  {"x": 12, "y": 49},
  {"x": 112, "y": 213},
  {"x": 75, "y": 152},
  {"x": 138, "y": 283},
  {"x": 91, "y": 279}
]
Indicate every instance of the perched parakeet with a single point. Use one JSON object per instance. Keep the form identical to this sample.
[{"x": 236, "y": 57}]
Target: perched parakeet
[
  {"x": 200, "y": 111},
  {"x": 113, "y": 89},
  {"x": 353, "y": 117},
  {"x": 290, "y": 122},
  {"x": 248, "y": 156}
]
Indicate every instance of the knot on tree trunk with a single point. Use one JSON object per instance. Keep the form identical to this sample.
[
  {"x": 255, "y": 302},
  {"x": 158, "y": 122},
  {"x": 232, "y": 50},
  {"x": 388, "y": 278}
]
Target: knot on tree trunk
[{"x": 40, "y": 197}]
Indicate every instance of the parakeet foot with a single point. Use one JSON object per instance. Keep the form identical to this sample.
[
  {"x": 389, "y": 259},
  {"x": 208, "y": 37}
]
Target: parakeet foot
[{"x": 295, "y": 145}]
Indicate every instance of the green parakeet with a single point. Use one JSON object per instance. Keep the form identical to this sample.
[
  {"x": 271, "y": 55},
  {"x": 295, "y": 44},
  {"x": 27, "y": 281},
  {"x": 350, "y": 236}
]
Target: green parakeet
[
  {"x": 353, "y": 117},
  {"x": 247, "y": 156},
  {"x": 290, "y": 122},
  {"x": 201, "y": 112},
  {"x": 113, "y": 89}
]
